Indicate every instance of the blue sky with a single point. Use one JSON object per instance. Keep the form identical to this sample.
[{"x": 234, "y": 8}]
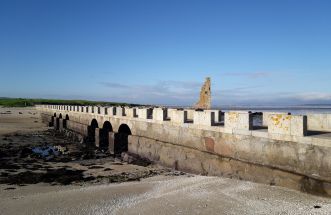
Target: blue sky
[{"x": 160, "y": 51}]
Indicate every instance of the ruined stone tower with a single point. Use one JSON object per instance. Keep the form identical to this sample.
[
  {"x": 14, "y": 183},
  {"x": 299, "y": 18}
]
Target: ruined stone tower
[{"x": 205, "y": 96}]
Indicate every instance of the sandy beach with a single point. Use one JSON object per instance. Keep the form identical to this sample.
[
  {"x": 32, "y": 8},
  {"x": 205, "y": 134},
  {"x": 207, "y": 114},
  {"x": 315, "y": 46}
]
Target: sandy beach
[{"x": 78, "y": 183}]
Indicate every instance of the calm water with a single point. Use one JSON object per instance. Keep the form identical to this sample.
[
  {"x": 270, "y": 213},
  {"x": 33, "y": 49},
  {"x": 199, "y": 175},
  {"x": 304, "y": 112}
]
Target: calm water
[{"x": 291, "y": 109}]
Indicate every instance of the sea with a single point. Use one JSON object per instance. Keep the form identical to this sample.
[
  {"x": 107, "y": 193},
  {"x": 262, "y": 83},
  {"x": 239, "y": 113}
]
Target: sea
[{"x": 294, "y": 110}]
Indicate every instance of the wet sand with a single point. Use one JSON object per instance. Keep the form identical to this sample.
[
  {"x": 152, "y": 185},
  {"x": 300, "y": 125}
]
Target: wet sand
[{"x": 101, "y": 187}]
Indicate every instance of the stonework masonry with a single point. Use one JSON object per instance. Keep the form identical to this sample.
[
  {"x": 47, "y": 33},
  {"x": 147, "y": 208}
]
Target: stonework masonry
[
  {"x": 205, "y": 96},
  {"x": 293, "y": 151}
]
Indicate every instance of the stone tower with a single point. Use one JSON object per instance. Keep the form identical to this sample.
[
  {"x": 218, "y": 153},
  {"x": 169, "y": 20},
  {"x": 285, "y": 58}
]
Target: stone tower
[{"x": 205, "y": 96}]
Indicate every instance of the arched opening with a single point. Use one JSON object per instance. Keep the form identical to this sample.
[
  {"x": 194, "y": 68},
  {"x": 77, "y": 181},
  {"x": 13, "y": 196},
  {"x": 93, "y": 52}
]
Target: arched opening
[
  {"x": 104, "y": 135},
  {"x": 60, "y": 116},
  {"x": 121, "y": 139},
  {"x": 51, "y": 123},
  {"x": 65, "y": 123},
  {"x": 91, "y": 132}
]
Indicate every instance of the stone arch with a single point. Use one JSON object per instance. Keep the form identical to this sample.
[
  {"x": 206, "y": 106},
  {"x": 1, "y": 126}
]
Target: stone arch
[
  {"x": 65, "y": 121},
  {"x": 91, "y": 132},
  {"x": 121, "y": 139},
  {"x": 104, "y": 135}
]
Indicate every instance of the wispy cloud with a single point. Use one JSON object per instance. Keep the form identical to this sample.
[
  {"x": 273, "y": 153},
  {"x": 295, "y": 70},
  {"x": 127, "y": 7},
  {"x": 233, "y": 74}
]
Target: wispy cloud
[
  {"x": 248, "y": 74},
  {"x": 187, "y": 93},
  {"x": 113, "y": 85},
  {"x": 162, "y": 92}
]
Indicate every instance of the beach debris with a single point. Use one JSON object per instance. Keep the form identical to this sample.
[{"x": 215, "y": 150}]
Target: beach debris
[
  {"x": 135, "y": 159},
  {"x": 49, "y": 152}
]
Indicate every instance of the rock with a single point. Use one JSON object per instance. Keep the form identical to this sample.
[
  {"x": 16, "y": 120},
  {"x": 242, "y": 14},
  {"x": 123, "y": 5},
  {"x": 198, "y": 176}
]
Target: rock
[
  {"x": 25, "y": 152},
  {"x": 135, "y": 159}
]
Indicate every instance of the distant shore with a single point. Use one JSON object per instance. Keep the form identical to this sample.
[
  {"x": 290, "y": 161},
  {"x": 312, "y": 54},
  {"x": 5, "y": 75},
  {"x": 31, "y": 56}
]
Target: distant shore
[{"x": 25, "y": 102}]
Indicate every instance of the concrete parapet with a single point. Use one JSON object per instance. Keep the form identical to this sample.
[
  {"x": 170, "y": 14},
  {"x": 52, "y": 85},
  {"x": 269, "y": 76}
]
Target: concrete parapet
[
  {"x": 238, "y": 120},
  {"x": 177, "y": 117},
  {"x": 112, "y": 111},
  {"x": 128, "y": 112},
  {"x": 319, "y": 122},
  {"x": 102, "y": 110},
  {"x": 202, "y": 118},
  {"x": 160, "y": 114},
  {"x": 189, "y": 115},
  {"x": 217, "y": 116},
  {"x": 266, "y": 118},
  {"x": 169, "y": 112},
  {"x": 142, "y": 113},
  {"x": 131, "y": 112},
  {"x": 90, "y": 109},
  {"x": 120, "y": 111},
  {"x": 287, "y": 124},
  {"x": 97, "y": 109}
]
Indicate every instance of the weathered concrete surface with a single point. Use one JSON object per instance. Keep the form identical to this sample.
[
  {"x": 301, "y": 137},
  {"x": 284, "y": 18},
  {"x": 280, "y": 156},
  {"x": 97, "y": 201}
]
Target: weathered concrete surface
[
  {"x": 319, "y": 122},
  {"x": 201, "y": 162},
  {"x": 281, "y": 154}
]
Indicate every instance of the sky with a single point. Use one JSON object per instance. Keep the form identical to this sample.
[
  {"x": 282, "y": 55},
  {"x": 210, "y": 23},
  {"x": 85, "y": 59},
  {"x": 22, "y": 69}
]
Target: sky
[{"x": 257, "y": 52}]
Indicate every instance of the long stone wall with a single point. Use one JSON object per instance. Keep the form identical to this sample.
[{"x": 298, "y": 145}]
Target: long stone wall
[{"x": 280, "y": 152}]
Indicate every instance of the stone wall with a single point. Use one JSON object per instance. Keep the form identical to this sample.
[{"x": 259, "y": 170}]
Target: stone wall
[
  {"x": 201, "y": 162},
  {"x": 281, "y": 154}
]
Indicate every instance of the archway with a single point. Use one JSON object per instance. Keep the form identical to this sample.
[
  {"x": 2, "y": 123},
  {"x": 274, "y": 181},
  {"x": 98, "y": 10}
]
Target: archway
[
  {"x": 121, "y": 139},
  {"x": 91, "y": 132},
  {"x": 65, "y": 123},
  {"x": 104, "y": 135},
  {"x": 51, "y": 123}
]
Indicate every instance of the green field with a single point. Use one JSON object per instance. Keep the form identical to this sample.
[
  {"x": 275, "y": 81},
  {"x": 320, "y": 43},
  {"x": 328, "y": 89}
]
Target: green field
[{"x": 21, "y": 102}]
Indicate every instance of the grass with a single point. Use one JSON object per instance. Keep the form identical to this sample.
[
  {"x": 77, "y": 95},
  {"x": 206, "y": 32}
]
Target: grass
[{"x": 22, "y": 102}]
